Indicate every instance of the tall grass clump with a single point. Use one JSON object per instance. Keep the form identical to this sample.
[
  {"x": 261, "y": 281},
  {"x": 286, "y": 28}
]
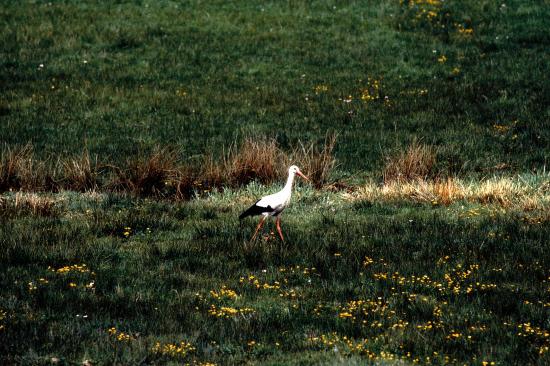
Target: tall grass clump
[
  {"x": 80, "y": 173},
  {"x": 261, "y": 159},
  {"x": 19, "y": 170},
  {"x": 417, "y": 162},
  {"x": 257, "y": 158},
  {"x": 318, "y": 162},
  {"x": 147, "y": 175},
  {"x": 163, "y": 174}
]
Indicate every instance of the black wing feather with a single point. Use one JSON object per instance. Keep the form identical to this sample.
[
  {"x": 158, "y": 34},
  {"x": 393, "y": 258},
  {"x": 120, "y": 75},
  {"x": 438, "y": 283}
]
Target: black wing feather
[{"x": 255, "y": 210}]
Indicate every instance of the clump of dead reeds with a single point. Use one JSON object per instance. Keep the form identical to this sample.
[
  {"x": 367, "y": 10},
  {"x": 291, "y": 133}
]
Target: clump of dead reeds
[
  {"x": 20, "y": 170},
  {"x": 417, "y": 162},
  {"x": 184, "y": 183},
  {"x": 257, "y": 158},
  {"x": 80, "y": 173},
  {"x": 262, "y": 160},
  {"x": 316, "y": 161},
  {"x": 147, "y": 175},
  {"x": 163, "y": 174}
]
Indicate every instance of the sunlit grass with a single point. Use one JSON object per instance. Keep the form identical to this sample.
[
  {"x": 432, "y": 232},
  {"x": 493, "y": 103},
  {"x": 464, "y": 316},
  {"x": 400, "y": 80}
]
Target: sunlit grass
[{"x": 340, "y": 285}]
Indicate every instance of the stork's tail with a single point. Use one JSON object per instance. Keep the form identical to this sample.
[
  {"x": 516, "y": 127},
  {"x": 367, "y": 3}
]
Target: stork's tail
[
  {"x": 254, "y": 210},
  {"x": 251, "y": 211}
]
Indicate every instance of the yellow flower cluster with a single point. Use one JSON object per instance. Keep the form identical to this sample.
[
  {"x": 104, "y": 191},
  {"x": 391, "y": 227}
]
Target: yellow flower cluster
[
  {"x": 454, "y": 335},
  {"x": 320, "y": 89},
  {"x": 365, "y": 309},
  {"x": 3, "y": 316},
  {"x": 334, "y": 339},
  {"x": 252, "y": 343},
  {"x": 539, "y": 302},
  {"x": 181, "y": 349},
  {"x": 127, "y": 231},
  {"x": 368, "y": 261},
  {"x": 78, "y": 268},
  {"x": 228, "y": 312},
  {"x": 501, "y": 128},
  {"x": 429, "y": 325},
  {"x": 181, "y": 92},
  {"x": 425, "y": 9},
  {"x": 463, "y": 30},
  {"x": 65, "y": 270},
  {"x": 255, "y": 282},
  {"x": 504, "y": 128},
  {"x": 224, "y": 292},
  {"x": 119, "y": 336},
  {"x": 372, "y": 91},
  {"x": 352, "y": 346},
  {"x": 456, "y": 281},
  {"x": 290, "y": 294},
  {"x": 526, "y": 330},
  {"x": 534, "y": 333},
  {"x": 299, "y": 270}
]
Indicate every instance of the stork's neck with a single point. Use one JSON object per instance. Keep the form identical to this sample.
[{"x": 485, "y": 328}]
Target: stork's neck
[{"x": 289, "y": 181}]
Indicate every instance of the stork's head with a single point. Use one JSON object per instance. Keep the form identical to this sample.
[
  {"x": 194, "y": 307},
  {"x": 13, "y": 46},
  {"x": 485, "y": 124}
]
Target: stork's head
[{"x": 295, "y": 170}]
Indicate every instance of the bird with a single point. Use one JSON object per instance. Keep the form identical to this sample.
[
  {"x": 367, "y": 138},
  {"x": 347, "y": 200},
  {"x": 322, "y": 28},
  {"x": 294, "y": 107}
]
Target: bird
[{"x": 273, "y": 204}]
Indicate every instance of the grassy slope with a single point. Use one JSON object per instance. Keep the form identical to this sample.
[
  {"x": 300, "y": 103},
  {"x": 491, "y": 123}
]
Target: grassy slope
[
  {"x": 486, "y": 267},
  {"x": 198, "y": 74}
]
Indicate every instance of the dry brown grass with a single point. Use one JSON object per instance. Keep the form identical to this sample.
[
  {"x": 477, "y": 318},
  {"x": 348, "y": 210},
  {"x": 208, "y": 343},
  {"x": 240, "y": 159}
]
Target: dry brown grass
[
  {"x": 505, "y": 192},
  {"x": 448, "y": 191},
  {"x": 256, "y": 158},
  {"x": 417, "y": 162},
  {"x": 163, "y": 174},
  {"x": 183, "y": 183},
  {"x": 19, "y": 170},
  {"x": 28, "y": 203},
  {"x": 81, "y": 173},
  {"x": 148, "y": 175},
  {"x": 317, "y": 162},
  {"x": 261, "y": 159}
]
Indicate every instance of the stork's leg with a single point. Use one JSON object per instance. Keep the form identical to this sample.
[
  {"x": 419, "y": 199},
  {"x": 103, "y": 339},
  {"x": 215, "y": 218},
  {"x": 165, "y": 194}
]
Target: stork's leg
[
  {"x": 278, "y": 222},
  {"x": 258, "y": 228}
]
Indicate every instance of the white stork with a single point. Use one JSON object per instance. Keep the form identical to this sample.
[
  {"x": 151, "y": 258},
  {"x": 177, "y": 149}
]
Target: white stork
[{"x": 274, "y": 204}]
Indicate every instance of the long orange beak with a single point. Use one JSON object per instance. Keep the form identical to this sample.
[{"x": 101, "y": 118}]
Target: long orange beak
[{"x": 301, "y": 175}]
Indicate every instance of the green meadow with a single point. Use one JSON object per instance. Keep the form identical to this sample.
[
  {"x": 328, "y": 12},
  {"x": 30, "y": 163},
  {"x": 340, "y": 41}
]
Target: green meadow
[{"x": 426, "y": 242}]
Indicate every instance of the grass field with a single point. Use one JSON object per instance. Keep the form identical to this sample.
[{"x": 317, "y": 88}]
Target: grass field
[
  {"x": 426, "y": 244},
  {"x": 127, "y": 76}
]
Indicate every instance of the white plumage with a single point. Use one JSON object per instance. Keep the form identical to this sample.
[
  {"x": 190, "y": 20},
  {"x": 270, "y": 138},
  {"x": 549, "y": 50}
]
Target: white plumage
[{"x": 274, "y": 204}]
